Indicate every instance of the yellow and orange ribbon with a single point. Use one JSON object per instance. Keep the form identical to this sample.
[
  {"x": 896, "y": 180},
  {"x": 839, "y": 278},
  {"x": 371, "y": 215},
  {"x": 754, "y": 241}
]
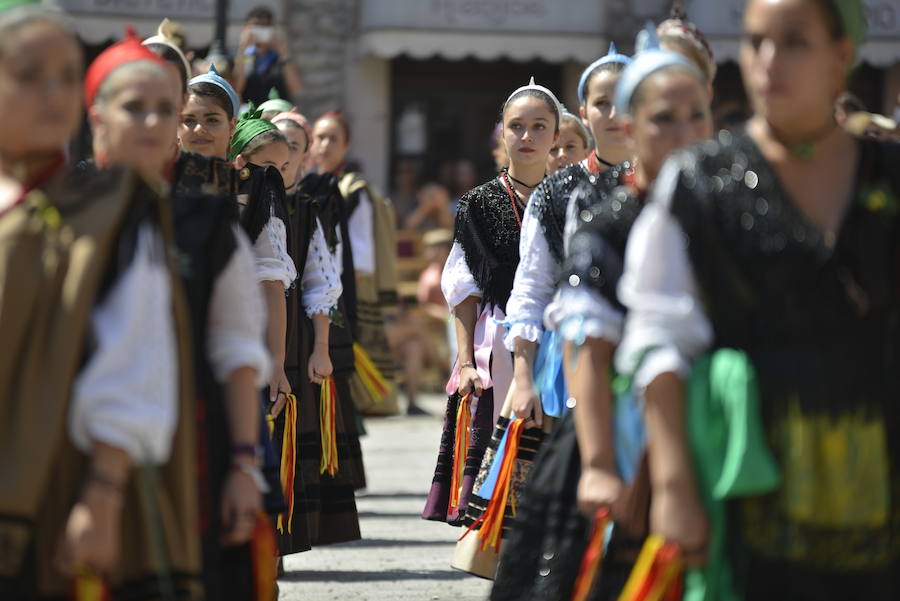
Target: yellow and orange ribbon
[
  {"x": 460, "y": 451},
  {"x": 328, "y": 427},
  {"x": 263, "y": 551},
  {"x": 372, "y": 379},
  {"x": 593, "y": 557},
  {"x": 657, "y": 574},
  {"x": 89, "y": 586},
  {"x": 288, "y": 470},
  {"x": 491, "y": 531}
]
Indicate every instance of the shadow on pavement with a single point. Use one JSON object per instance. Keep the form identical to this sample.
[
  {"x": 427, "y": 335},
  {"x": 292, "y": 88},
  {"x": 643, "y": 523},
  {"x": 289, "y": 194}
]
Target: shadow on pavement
[
  {"x": 393, "y": 542},
  {"x": 386, "y": 515},
  {"x": 373, "y": 576},
  {"x": 392, "y": 495}
]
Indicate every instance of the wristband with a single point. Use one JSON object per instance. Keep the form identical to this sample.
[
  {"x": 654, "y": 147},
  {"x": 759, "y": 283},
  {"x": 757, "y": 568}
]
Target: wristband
[
  {"x": 243, "y": 449},
  {"x": 255, "y": 474},
  {"x": 105, "y": 480},
  {"x": 467, "y": 364}
]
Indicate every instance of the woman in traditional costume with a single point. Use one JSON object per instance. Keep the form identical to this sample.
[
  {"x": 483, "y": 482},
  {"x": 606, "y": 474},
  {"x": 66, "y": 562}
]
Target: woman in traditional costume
[
  {"x": 477, "y": 281},
  {"x": 663, "y": 103},
  {"x": 98, "y": 304},
  {"x": 777, "y": 250},
  {"x": 372, "y": 229},
  {"x": 217, "y": 265}
]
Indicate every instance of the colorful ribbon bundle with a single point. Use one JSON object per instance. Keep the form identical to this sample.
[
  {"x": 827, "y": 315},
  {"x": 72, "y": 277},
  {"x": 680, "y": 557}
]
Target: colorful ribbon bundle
[
  {"x": 88, "y": 586},
  {"x": 460, "y": 451},
  {"x": 328, "y": 427},
  {"x": 491, "y": 531},
  {"x": 375, "y": 384},
  {"x": 657, "y": 574},
  {"x": 288, "y": 460},
  {"x": 263, "y": 551},
  {"x": 593, "y": 557}
]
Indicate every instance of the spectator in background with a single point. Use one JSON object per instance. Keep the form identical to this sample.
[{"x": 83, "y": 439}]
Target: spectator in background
[
  {"x": 432, "y": 209},
  {"x": 263, "y": 60},
  {"x": 465, "y": 177},
  {"x": 498, "y": 148},
  {"x": 403, "y": 191}
]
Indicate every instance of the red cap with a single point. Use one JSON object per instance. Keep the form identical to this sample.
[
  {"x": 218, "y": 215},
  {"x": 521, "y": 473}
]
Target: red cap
[{"x": 128, "y": 50}]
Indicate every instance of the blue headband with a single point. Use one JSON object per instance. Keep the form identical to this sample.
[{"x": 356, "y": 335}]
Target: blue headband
[
  {"x": 611, "y": 57},
  {"x": 648, "y": 60},
  {"x": 215, "y": 79}
]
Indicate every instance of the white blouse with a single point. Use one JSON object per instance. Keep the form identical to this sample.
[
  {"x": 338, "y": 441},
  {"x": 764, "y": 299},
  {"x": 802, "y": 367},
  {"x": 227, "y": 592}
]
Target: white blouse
[
  {"x": 457, "y": 281},
  {"x": 273, "y": 263},
  {"x": 534, "y": 284},
  {"x": 361, "y": 229},
  {"x": 659, "y": 289},
  {"x": 126, "y": 395},
  {"x": 237, "y": 317},
  {"x": 321, "y": 284}
]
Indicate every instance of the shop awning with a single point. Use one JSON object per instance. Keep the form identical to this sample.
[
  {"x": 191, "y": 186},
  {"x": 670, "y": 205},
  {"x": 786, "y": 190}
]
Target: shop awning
[
  {"x": 521, "y": 30},
  {"x": 484, "y": 46}
]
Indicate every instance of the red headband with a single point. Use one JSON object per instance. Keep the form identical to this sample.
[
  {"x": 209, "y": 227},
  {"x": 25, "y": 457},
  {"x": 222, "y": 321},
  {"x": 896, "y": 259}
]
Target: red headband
[
  {"x": 128, "y": 50},
  {"x": 295, "y": 116}
]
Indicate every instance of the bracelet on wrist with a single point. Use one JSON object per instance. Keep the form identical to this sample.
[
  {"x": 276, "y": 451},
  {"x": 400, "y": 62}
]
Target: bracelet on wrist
[
  {"x": 467, "y": 364},
  {"x": 248, "y": 450},
  {"x": 106, "y": 481}
]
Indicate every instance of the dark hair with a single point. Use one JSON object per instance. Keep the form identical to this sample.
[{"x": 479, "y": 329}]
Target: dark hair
[
  {"x": 337, "y": 117},
  {"x": 263, "y": 13},
  {"x": 219, "y": 96},
  {"x": 169, "y": 54},
  {"x": 269, "y": 136},
  {"x": 532, "y": 93},
  {"x": 614, "y": 67},
  {"x": 832, "y": 18}
]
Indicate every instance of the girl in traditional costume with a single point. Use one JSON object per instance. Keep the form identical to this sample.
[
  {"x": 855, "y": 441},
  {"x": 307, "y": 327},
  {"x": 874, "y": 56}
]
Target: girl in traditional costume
[
  {"x": 98, "y": 304},
  {"x": 217, "y": 265},
  {"x": 777, "y": 250},
  {"x": 663, "y": 103},
  {"x": 477, "y": 281},
  {"x": 573, "y": 146},
  {"x": 372, "y": 229}
]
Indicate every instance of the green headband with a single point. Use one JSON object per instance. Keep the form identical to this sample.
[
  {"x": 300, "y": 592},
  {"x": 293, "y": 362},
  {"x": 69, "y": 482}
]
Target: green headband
[
  {"x": 852, "y": 16},
  {"x": 276, "y": 103},
  {"x": 7, "y": 5},
  {"x": 248, "y": 127}
]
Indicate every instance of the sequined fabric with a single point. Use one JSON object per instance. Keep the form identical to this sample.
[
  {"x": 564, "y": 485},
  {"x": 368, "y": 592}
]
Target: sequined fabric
[
  {"x": 487, "y": 230},
  {"x": 818, "y": 316},
  {"x": 605, "y": 214}
]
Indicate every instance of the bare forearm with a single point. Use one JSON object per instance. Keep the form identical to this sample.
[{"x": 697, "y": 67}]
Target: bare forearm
[
  {"x": 110, "y": 463},
  {"x": 589, "y": 384},
  {"x": 276, "y": 326},
  {"x": 243, "y": 406},
  {"x": 523, "y": 361},
  {"x": 321, "y": 329},
  {"x": 666, "y": 442},
  {"x": 465, "y": 316}
]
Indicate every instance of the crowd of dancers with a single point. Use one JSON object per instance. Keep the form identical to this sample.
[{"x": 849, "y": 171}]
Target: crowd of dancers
[{"x": 676, "y": 349}]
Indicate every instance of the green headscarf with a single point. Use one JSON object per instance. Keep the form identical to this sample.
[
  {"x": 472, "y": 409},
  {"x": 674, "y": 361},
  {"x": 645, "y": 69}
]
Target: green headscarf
[
  {"x": 248, "y": 127},
  {"x": 7, "y": 5},
  {"x": 852, "y": 16},
  {"x": 275, "y": 103}
]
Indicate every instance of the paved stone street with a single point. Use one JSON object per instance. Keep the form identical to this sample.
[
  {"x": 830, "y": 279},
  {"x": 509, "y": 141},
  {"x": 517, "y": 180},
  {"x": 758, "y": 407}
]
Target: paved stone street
[{"x": 401, "y": 556}]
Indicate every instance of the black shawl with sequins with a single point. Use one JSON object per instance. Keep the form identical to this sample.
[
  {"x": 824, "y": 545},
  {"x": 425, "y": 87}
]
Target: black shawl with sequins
[
  {"x": 488, "y": 231},
  {"x": 264, "y": 188},
  {"x": 606, "y": 212},
  {"x": 550, "y": 200}
]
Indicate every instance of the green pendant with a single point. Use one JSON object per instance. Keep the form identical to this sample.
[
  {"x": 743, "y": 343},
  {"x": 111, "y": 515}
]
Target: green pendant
[{"x": 803, "y": 150}]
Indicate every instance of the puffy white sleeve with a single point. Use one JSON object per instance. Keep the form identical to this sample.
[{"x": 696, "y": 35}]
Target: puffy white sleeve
[
  {"x": 126, "y": 395},
  {"x": 273, "y": 263},
  {"x": 534, "y": 284},
  {"x": 361, "y": 229},
  {"x": 321, "y": 284},
  {"x": 237, "y": 317},
  {"x": 457, "y": 281},
  {"x": 666, "y": 327}
]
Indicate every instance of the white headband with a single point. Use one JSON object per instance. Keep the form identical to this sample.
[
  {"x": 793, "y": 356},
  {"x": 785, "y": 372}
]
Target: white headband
[{"x": 533, "y": 86}]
